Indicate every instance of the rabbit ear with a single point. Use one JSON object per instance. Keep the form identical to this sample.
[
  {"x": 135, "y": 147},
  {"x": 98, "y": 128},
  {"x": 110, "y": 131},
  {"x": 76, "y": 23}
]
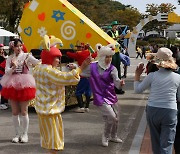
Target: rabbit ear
[
  {"x": 45, "y": 43},
  {"x": 98, "y": 47}
]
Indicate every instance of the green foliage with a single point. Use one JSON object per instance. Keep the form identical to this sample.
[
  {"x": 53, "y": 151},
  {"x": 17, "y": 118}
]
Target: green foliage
[
  {"x": 10, "y": 13},
  {"x": 154, "y": 9},
  {"x": 177, "y": 42},
  {"x": 141, "y": 43},
  {"x": 129, "y": 16},
  {"x": 159, "y": 41},
  {"x": 173, "y": 42},
  {"x": 102, "y": 11}
]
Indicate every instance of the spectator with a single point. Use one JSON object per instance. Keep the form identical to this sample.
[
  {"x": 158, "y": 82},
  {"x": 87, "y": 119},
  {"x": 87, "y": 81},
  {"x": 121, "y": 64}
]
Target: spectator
[
  {"x": 138, "y": 52},
  {"x": 161, "y": 110},
  {"x": 4, "y": 102},
  {"x": 114, "y": 33},
  {"x": 126, "y": 61}
]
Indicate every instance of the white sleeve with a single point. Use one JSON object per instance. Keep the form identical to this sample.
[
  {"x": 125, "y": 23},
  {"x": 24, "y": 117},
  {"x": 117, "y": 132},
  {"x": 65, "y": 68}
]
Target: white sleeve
[
  {"x": 31, "y": 60},
  {"x": 116, "y": 80},
  {"x": 8, "y": 69}
]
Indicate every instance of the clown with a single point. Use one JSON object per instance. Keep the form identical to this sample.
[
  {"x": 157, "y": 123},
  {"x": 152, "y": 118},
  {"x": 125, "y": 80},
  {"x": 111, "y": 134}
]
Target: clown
[{"x": 50, "y": 95}]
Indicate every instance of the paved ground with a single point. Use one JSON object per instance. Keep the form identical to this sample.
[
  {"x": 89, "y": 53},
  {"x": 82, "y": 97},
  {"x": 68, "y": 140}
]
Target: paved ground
[{"x": 83, "y": 130}]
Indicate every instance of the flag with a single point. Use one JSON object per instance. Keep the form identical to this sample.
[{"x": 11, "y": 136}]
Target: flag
[{"x": 91, "y": 49}]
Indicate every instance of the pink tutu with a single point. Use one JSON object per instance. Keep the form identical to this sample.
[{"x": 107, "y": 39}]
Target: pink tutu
[{"x": 18, "y": 81}]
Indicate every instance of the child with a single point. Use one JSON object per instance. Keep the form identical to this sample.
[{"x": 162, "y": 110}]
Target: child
[
  {"x": 83, "y": 86},
  {"x": 103, "y": 78},
  {"x": 50, "y": 96},
  {"x": 126, "y": 61}
]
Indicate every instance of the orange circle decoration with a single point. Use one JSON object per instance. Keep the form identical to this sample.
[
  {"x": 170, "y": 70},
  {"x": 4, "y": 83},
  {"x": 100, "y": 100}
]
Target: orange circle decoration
[
  {"x": 26, "y": 5},
  {"x": 88, "y": 35}
]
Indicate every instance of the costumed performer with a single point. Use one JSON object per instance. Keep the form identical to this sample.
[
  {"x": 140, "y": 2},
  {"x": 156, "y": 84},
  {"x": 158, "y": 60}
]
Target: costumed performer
[
  {"x": 103, "y": 78},
  {"x": 50, "y": 95},
  {"x": 83, "y": 86},
  {"x": 19, "y": 87}
]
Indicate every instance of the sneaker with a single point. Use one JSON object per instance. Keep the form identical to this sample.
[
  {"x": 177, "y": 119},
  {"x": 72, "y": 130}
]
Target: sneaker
[
  {"x": 15, "y": 139},
  {"x": 121, "y": 92},
  {"x": 3, "y": 107},
  {"x": 80, "y": 110},
  {"x": 24, "y": 138},
  {"x": 116, "y": 140},
  {"x": 105, "y": 141},
  {"x": 86, "y": 109}
]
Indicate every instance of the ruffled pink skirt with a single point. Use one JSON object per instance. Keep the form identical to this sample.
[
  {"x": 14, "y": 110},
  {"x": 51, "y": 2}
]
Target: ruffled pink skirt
[{"x": 18, "y": 87}]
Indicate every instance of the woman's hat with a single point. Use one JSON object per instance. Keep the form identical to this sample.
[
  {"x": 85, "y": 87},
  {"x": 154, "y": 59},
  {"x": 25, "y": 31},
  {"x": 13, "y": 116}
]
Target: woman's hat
[{"x": 163, "y": 58}]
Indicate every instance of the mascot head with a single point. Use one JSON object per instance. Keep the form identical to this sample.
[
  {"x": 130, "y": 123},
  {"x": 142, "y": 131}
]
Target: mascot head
[
  {"x": 102, "y": 52},
  {"x": 50, "y": 51}
]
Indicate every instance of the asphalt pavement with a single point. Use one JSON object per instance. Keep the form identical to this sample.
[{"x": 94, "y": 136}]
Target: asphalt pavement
[{"x": 83, "y": 131}]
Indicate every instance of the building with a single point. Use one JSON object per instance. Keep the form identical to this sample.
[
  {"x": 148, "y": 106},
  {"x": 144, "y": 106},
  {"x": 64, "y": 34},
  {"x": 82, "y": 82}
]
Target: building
[{"x": 173, "y": 32}]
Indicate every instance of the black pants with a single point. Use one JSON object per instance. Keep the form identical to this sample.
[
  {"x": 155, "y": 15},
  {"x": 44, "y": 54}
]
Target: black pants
[
  {"x": 117, "y": 62},
  {"x": 3, "y": 100},
  {"x": 138, "y": 54}
]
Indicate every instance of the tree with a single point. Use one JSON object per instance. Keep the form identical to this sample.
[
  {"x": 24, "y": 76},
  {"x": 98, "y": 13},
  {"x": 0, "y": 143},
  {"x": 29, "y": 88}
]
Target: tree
[
  {"x": 11, "y": 12},
  {"x": 153, "y": 10},
  {"x": 99, "y": 11},
  {"x": 130, "y": 16}
]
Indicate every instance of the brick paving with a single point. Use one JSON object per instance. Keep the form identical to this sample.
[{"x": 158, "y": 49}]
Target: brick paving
[{"x": 146, "y": 143}]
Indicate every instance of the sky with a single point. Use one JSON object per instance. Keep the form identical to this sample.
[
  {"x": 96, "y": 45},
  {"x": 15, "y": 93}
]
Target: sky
[{"x": 141, "y": 4}]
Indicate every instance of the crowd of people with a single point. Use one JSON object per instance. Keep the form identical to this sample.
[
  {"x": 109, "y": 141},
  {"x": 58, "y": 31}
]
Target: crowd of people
[
  {"x": 101, "y": 78},
  {"x": 141, "y": 51}
]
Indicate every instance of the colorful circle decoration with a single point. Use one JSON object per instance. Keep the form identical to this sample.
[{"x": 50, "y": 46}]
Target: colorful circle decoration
[
  {"x": 88, "y": 35},
  {"x": 61, "y": 19}
]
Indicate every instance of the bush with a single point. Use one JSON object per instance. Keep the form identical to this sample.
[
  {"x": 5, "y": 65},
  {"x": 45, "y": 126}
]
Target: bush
[
  {"x": 141, "y": 43},
  {"x": 177, "y": 42},
  {"x": 154, "y": 41}
]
